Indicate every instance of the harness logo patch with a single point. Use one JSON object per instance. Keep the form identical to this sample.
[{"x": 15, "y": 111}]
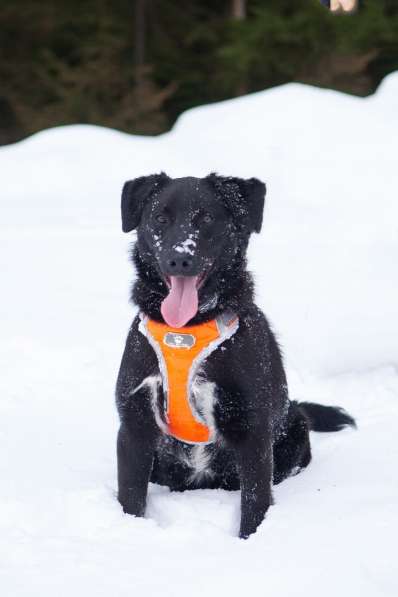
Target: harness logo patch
[{"x": 175, "y": 340}]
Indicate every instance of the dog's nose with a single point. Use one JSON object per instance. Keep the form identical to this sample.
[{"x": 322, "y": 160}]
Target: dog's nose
[{"x": 180, "y": 265}]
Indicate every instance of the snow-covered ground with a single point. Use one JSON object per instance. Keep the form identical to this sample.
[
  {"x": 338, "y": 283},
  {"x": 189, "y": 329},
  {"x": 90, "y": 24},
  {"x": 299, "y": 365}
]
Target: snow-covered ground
[{"x": 327, "y": 275}]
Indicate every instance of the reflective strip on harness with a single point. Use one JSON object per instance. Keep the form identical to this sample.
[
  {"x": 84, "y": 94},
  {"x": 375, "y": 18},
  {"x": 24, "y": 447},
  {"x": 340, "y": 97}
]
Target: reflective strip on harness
[{"x": 180, "y": 352}]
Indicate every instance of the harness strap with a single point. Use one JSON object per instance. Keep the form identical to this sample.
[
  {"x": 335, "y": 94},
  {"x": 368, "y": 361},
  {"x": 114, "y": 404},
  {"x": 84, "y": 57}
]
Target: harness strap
[{"x": 180, "y": 353}]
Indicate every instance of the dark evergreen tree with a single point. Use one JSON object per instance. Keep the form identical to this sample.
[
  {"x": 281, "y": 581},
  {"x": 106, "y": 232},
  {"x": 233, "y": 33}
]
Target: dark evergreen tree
[{"x": 136, "y": 64}]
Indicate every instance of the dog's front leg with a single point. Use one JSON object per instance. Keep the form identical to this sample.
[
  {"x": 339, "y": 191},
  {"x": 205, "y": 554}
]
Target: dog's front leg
[
  {"x": 246, "y": 430},
  {"x": 255, "y": 460},
  {"x": 136, "y": 444}
]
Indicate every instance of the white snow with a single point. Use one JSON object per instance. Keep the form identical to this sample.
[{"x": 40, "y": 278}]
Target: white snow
[
  {"x": 186, "y": 246},
  {"x": 326, "y": 271}
]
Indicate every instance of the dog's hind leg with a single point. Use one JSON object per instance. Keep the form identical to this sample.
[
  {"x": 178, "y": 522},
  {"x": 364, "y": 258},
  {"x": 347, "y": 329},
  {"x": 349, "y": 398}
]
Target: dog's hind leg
[{"x": 292, "y": 450}]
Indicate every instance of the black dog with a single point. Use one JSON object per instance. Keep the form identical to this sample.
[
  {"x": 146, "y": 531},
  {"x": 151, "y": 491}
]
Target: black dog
[{"x": 190, "y": 257}]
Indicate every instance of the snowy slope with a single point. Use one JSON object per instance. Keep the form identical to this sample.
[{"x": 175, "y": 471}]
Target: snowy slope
[{"x": 326, "y": 271}]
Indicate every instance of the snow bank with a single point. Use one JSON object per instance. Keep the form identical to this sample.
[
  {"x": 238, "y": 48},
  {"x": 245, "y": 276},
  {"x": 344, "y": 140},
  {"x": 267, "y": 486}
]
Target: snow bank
[{"x": 326, "y": 271}]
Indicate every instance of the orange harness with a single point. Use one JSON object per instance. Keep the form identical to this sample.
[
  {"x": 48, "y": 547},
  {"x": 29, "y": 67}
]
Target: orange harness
[{"x": 180, "y": 353}]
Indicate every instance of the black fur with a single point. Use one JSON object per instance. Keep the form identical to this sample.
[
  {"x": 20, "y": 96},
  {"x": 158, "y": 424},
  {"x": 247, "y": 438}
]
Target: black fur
[
  {"x": 326, "y": 418},
  {"x": 262, "y": 437}
]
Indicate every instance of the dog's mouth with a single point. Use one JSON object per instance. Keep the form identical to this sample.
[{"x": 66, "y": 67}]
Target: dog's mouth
[
  {"x": 182, "y": 302},
  {"x": 199, "y": 280}
]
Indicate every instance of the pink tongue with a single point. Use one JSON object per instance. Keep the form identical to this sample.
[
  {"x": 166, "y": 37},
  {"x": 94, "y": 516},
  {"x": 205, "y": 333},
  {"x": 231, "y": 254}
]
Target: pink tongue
[{"x": 181, "y": 304}]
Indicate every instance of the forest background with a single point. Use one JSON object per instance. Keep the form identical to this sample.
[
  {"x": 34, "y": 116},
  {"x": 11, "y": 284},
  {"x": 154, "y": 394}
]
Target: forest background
[{"x": 136, "y": 65}]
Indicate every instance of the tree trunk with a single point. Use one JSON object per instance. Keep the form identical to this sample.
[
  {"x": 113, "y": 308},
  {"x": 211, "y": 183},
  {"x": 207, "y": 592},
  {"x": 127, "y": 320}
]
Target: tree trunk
[
  {"x": 239, "y": 9},
  {"x": 239, "y": 14},
  {"x": 344, "y": 5},
  {"x": 139, "y": 32}
]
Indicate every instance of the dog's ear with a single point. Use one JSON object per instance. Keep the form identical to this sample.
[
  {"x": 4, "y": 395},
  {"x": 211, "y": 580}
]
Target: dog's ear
[
  {"x": 244, "y": 197},
  {"x": 135, "y": 194},
  {"x": 253, "y": 192}
]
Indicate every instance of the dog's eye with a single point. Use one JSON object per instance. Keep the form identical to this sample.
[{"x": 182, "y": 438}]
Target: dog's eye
[
  {"x": 207, "y": 219},
  {"x": 161, "y": 218}
]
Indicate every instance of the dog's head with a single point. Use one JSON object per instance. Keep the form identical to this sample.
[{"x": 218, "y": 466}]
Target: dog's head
[{"x": 192, "y": 235}]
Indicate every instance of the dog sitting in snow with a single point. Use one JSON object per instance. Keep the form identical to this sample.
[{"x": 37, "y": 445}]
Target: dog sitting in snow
[{"x": 201, "y": 393}]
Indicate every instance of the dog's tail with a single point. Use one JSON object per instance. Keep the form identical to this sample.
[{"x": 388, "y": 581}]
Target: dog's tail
[{"x": 325, "y": 418}]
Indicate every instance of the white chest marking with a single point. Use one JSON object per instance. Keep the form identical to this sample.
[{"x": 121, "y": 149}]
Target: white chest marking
[
  {"x": 199, "y": 462},
  {"x": 203, "y": 395},
  {"x": 153, "y": 383},
  {"x": 203, "y": 398}
]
